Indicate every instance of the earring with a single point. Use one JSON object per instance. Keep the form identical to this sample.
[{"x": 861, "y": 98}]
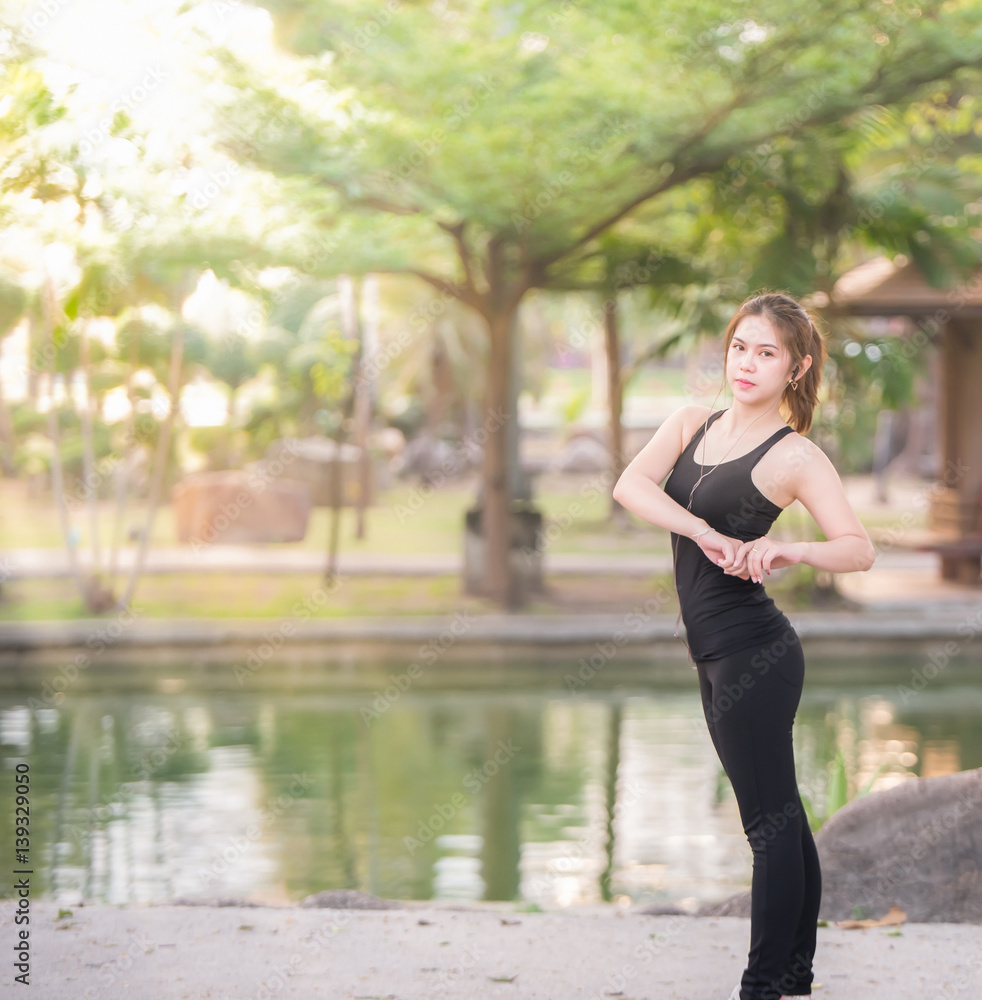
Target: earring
[{"x": 794, "y": 385}]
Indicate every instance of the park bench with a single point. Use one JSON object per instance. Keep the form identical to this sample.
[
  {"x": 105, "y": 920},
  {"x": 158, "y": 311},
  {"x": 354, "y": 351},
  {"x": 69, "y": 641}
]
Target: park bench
[
  {"x": 961, "y": 558},
  {"x": 961, "y": 554}
]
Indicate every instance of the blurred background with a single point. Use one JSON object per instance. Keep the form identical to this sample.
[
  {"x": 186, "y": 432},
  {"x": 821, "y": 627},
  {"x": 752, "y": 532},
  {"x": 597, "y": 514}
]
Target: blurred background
[{"x": 348, "y": 316}]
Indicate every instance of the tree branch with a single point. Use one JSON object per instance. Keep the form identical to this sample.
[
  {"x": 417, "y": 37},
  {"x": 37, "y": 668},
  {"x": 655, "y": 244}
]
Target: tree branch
[
  {"x": 457, "y": 232},
  {"x": 461, "y": 292},
  {"x": 715, "y": 119},
  {"x": 672, "y": 180},
  {"x": 370, "y": 201},
  {"x": 891, "y": 93}
]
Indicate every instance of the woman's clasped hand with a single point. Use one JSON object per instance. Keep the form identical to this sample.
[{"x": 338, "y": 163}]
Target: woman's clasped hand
[
  {"x": 721, "y": 550},
  {"x": 748, "y": 560}
]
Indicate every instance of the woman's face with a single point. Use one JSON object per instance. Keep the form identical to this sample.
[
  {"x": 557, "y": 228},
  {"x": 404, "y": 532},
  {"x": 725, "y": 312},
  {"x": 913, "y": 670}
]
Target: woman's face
[{"x": 757, "y": 364}]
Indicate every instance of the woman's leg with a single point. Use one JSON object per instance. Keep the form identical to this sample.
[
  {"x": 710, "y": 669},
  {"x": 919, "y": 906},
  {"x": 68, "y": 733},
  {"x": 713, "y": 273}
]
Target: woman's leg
[
  {"x": 706, "y": 692},
  {"x": 750, "y": 698},
  {"x": 797, "y": 979}
]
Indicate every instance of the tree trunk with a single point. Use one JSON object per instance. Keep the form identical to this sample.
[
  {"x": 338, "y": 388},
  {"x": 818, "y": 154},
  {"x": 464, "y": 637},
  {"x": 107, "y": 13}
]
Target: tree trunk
[
  {"x": 615, "y": 402},
  {"x": 224, "y": 458},
  {"x": 348, "y": 289},
  {"x": 34, "y": 347},
  {"x": 334, "y": 529},
  {"x": 121, "y": 471},
  {"x": 57, "y": 481},
  {"x": 90, "y": 480},
  {"x": 366, "y": 396},
  {"x": 174, "y": 383},
  {"x": 8, "y": 442},
  {"x": 496, "y": 518}
]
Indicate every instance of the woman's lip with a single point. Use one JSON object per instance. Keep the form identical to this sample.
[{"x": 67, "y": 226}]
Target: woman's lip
[{"x": 744, "y": 381}]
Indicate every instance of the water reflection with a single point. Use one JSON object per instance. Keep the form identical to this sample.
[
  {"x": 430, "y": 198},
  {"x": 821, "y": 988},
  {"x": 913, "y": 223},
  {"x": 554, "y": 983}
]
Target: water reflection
[{"x": 542, "y": 796}]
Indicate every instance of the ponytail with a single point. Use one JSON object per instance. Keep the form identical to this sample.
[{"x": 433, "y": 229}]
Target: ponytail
[{"x": 801, "y": 402}]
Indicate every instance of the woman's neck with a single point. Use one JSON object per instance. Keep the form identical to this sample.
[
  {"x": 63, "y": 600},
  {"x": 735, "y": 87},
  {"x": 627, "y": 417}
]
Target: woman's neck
[{"x": 743, "y": 417}]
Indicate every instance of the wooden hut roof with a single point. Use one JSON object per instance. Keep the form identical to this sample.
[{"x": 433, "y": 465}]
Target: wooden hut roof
[{"x": 896, "y": 287}]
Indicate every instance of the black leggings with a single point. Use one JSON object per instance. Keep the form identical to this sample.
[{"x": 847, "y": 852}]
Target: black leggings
[{"x": 750, "y": 698}]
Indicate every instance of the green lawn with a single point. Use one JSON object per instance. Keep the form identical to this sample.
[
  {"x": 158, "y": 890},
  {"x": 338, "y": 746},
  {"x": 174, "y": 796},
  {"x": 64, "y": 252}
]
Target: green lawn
[
  {"x": 406, "y": 520},
  {"x": 282, "y": 596}
]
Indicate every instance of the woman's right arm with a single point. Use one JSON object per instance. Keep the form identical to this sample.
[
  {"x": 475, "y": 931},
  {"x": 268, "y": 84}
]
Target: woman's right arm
[
  {"x": 639, "y": 491},
  {"x": 638, "y": 487}
]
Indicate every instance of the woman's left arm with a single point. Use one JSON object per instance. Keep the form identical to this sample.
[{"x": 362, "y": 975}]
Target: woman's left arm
[{"x": 848, "y": 549}]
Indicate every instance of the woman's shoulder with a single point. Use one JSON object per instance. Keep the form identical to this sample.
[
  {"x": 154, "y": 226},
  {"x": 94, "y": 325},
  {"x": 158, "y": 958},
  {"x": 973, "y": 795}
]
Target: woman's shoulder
[
  {"x": 797, "y": 442},
  {"x": 793, "y": 455},
  {"x": 693, "y": 416}
]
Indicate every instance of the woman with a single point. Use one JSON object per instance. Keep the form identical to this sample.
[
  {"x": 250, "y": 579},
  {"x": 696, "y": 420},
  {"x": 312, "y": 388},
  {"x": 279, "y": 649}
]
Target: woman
[{"x": 732, "y": 472}]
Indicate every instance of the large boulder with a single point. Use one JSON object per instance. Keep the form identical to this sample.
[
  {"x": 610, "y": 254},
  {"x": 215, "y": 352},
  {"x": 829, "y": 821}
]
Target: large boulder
[
  {"x": 311, "y": 460},
  {"x": 228, "y": 508},
  {"x": 437, "y": 461},
  {"x": 917, "y": 845},
  {"x": 349, "y": 899},
  {"x": 582, "y": 453}
]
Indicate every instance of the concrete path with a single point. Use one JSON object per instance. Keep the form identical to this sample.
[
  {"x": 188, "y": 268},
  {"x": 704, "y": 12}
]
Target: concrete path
[
  {"x": 26, "y": 563},
  {"x": 483, "y": 951},
  {"x": 544, "y": 630},
  {"x": 901, "y": 600},
  {"x": 900, "y": 579}
]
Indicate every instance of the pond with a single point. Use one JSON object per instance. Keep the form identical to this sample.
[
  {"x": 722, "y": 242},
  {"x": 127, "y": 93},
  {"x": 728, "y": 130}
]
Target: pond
[{"x": 537, "y": 794}]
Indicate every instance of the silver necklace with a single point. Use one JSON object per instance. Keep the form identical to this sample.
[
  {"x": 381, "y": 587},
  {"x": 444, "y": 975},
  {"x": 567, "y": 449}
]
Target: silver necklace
[
  {"x": 702, "y": 476},
  {"x": 722, "y": 460}
]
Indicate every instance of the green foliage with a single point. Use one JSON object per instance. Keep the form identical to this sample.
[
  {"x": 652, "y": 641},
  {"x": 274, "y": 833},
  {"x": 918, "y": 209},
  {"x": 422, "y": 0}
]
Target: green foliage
[
  {"x": 407, "y": 415},
  {"x": 492, "y": 150},
  {"x": 330, "y": 372},
  {"x": 863, "y": 376},
  {"x": 13, "y": 301},
  {"x": 837, "y": 791},
  {"x": 524, "y": 125},
  {"x": 33, "y": 454},
  {"x": 575, "y": 404}
]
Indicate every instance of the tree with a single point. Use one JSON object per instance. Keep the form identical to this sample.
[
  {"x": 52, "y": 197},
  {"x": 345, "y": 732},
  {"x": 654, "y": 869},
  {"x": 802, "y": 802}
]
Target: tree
[
  {"x": 111, "y": 270},
  {"x": 13, "y": 304},
  {"x": 483, "y": 149}
]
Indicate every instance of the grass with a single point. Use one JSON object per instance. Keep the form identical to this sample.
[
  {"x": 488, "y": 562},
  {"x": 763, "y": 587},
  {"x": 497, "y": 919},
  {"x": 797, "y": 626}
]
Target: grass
[
  {"x": 407, "y": 519},
  {"x": 256, "y": 595},
  {"x": 404, "y": 520},
  {"x": 259, "y": 596}
]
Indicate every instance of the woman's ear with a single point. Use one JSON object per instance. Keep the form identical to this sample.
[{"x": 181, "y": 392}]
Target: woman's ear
[{"x": 803, "y": 366}]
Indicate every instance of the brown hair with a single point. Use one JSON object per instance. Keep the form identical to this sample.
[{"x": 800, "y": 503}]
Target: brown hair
[{"x": 800, "y": 336}]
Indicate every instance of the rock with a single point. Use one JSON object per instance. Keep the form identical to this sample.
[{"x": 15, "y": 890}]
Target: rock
[
  {"x": 917, "y": 845},
  {"x": 310, "y": 460},
  {"x": 583, "y": 453},
  {"x": 437, "y": 461},
  {"x": 732, "y": 906},
  {"x": 349, "y": 899},
  {"x": 662, "y": 910},
  {"x": 218, "y": 901},
  {"x": 334, "y": 899},
  {"x": 237, "y": 508}
]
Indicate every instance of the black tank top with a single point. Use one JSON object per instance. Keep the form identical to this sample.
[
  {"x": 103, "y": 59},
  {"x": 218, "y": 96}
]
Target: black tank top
[{"x": 722, "y": 613}]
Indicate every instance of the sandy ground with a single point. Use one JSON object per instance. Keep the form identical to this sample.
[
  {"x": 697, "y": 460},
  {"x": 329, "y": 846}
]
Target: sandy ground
[{"x": 422, "y": 951}]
